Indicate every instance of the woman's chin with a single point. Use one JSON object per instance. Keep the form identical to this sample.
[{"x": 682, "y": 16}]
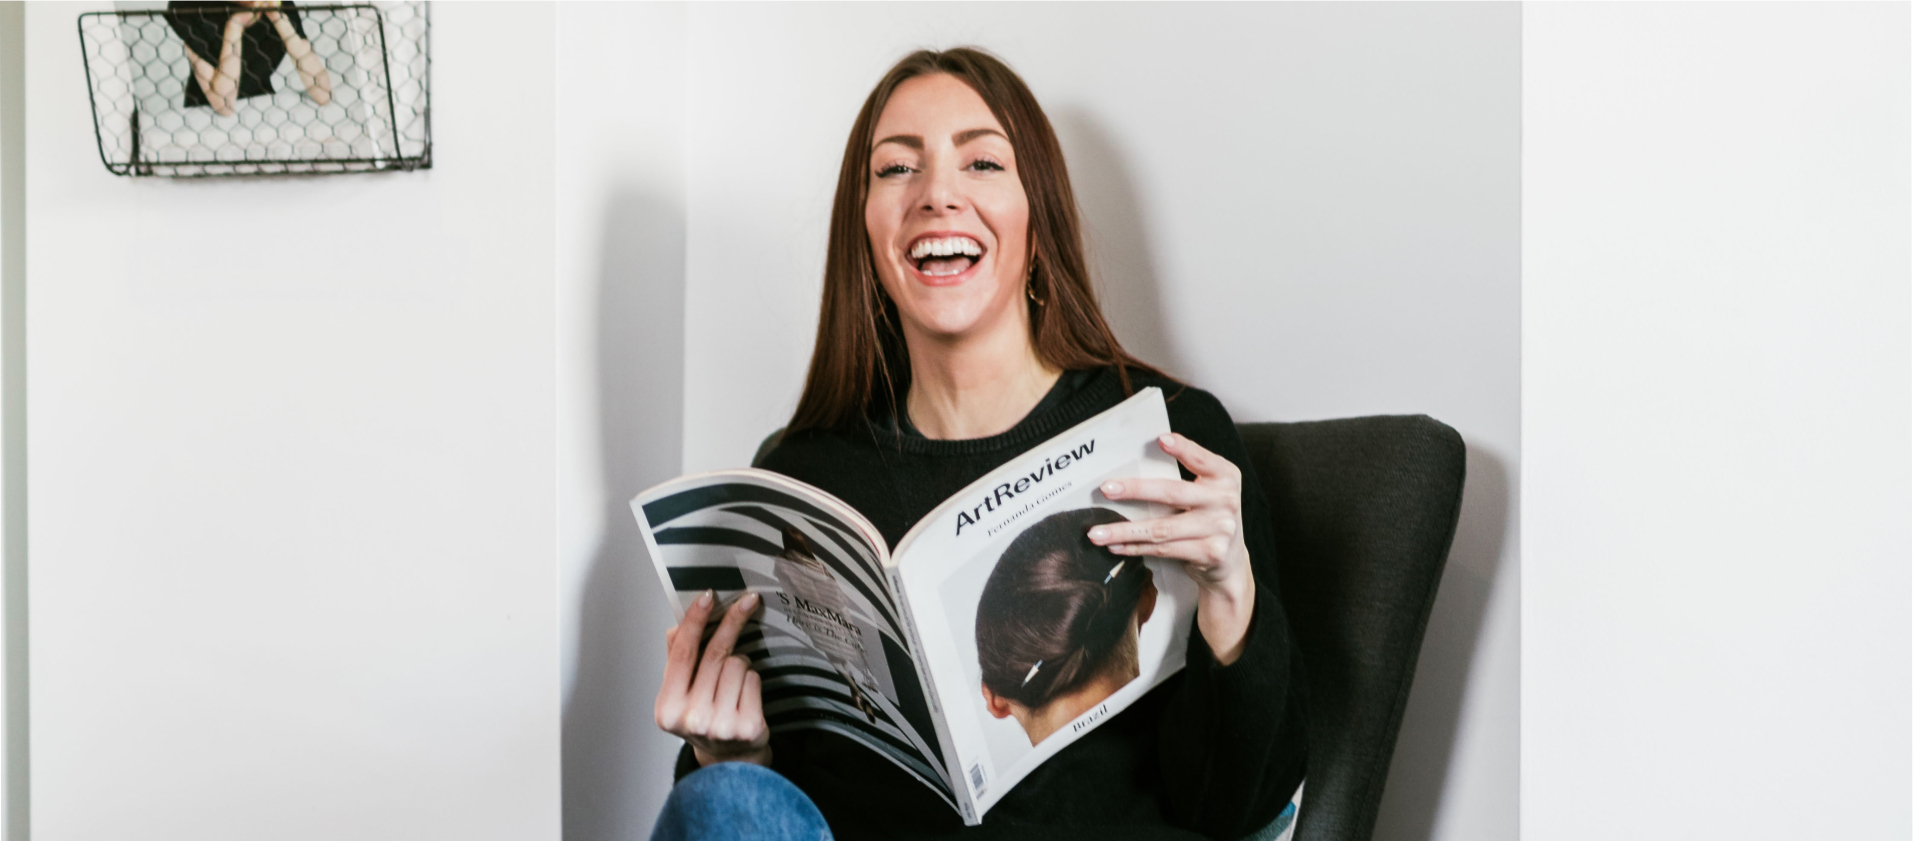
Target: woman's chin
[
  {"x": 949, "y": 330},
  {"x": 952, "y": 312},
  {"x": 948, "y": 316}
]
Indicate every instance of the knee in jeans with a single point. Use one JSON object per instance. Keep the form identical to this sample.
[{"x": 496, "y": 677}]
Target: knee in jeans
[
  {"x": 738, "y": 800},
  {"x": 727, "y": 778}
]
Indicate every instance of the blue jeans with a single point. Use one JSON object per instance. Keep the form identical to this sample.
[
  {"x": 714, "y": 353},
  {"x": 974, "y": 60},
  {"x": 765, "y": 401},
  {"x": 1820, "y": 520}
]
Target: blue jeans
[{"x": 738, "y": 800}]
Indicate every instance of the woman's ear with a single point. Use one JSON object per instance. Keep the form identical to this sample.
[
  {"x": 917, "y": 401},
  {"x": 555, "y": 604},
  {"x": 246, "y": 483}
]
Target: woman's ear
[
  {"x": 999, "y": 707},
  {"x": 1146, "y": 604}
]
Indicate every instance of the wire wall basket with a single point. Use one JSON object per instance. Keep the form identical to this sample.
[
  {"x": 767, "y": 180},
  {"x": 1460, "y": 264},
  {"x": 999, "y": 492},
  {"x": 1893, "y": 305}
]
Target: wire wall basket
[{"x": 210, "y": 89}]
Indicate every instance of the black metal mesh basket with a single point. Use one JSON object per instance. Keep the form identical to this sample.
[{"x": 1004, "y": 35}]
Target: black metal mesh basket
[{"x": 205, "y": 89}]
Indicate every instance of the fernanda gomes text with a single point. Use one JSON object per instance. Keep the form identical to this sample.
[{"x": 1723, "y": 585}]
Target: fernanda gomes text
[{"x": 1004, "y": 494}]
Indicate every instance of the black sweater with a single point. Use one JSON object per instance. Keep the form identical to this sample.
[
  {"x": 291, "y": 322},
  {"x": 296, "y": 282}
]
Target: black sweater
[{"x": 1215, "y": 749}]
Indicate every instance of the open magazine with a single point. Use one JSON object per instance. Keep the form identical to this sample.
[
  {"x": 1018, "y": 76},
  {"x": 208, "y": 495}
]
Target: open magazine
[{"x": 991, "y": 638}]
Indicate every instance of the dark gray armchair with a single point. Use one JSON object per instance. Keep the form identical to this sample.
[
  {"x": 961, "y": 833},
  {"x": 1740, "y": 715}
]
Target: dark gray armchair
[{"x": 1365, "y": 510}]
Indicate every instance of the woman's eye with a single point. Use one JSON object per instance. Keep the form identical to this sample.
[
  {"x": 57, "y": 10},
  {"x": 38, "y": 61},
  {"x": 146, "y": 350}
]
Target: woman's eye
[
  {"x": 893, "y": 169},
  {"x": 986, "y": 165}
]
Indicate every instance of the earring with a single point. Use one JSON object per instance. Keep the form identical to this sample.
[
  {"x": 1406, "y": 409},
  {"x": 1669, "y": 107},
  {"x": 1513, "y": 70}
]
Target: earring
[{"x": 1029, "y": 285}]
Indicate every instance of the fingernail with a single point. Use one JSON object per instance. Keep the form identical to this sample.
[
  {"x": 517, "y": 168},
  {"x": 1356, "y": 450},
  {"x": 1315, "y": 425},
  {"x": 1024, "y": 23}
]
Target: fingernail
[
  {"x": 704, "y": 599},
  {"x": 1098, "y": 533},
  {"x": 748, "y": 603},
  {"x": 1168, "y": 440},
  {"x": 1112, "y": 488}
]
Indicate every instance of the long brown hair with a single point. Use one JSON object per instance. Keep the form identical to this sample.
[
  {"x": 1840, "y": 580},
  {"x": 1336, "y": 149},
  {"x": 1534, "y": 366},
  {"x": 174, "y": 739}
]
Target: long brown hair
[{"x": 860, "y": 349}]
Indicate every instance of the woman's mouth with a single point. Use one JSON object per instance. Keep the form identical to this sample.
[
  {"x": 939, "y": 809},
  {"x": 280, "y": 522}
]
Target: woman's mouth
[{"x": 944, "y": 256}]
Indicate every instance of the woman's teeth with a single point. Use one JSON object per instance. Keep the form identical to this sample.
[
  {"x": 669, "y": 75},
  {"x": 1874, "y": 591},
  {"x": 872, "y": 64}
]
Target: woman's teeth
[
  {"x": 945, "y": 256},
  {"x": 945, "y": 247}
]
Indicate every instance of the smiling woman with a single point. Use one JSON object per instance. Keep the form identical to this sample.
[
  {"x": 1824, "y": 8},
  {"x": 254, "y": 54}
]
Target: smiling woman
[
  {"x": 952, "y": 152},
  {"x": 958, "y": 329}
]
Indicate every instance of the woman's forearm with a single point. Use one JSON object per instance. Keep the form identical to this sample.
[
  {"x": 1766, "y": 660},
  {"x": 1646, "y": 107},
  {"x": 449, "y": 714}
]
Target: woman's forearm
[
  {"x": 312, "y": 73},
  {"x": 225, "y": 82},
  {"x": 203, "y": 74}
]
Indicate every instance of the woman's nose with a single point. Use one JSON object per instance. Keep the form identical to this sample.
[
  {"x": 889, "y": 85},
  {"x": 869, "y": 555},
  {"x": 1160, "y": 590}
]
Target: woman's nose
[{"x": 942, "y": 192}]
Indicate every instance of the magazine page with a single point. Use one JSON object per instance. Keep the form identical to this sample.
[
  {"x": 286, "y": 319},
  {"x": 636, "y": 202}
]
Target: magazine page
[
  {"x": 828, "y": 643},
  {"x": 1032, "y": 635}
]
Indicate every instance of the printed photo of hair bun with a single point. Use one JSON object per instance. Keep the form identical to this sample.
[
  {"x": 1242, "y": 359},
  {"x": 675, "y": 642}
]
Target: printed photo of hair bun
[{"x": 1055, "y": 609}]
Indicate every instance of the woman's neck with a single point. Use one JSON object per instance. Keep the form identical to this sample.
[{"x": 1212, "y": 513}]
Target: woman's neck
[
  {"x": 975, "y": 387},
  {"x": 1060, "y": 711}
]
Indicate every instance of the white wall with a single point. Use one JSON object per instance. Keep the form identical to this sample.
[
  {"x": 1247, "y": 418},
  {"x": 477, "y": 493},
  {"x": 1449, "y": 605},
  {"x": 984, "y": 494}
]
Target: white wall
[
  {"x": 292, "y": 505},
  {"x": 1716, "y": 422},
  {"x": 1312, "y": 210},
  {"x": 620, "y": 203}
]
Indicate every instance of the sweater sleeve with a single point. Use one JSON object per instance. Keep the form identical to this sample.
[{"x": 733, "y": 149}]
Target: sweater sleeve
[
  {"x": 1233, "y": 739},
  {"x": 687, "y": 763}
]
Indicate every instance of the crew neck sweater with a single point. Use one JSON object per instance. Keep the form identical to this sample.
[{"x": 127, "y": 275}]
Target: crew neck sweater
[{"x": 1214, "y": 751}]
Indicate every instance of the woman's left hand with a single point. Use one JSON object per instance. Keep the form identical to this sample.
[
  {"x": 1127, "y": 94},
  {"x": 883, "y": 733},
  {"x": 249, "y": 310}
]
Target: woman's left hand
[{"x": 1205, "y": 535}]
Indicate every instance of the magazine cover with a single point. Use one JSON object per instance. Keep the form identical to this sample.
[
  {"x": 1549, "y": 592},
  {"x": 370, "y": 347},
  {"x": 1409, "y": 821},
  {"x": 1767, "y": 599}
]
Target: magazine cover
[
  {"x": 1031, "y": 634},
  {"x": 828, "y": 645}
]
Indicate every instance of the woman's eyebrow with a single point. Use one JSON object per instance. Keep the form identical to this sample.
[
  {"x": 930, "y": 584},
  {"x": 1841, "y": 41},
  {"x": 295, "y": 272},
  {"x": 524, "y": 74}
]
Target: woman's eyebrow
[
  {"x": 958, "y": 139},
  {"x": 909, "y": 140},
  {"x": 963, "y": 137}
]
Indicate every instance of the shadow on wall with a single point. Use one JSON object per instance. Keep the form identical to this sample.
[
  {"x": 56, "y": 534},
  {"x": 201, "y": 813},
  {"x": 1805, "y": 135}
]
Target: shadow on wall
[
  {"x": 1117, "y": 236},
  {"x": 617, "y": 764},
  {"x": 1118, "y": 241},
  {"x": 1418, "y": 775}
]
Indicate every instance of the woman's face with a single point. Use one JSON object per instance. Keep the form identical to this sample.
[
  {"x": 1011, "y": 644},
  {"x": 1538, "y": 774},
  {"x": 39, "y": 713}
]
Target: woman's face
[{"x": 946, "y": 214}]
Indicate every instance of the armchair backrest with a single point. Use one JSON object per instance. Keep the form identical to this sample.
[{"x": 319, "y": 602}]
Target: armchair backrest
[{"x": 1365, "y": 511}]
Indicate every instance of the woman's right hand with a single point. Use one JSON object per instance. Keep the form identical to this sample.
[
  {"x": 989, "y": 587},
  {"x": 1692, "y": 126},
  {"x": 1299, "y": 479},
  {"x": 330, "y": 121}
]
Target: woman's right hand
[{"x": 713, "y": 701}]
